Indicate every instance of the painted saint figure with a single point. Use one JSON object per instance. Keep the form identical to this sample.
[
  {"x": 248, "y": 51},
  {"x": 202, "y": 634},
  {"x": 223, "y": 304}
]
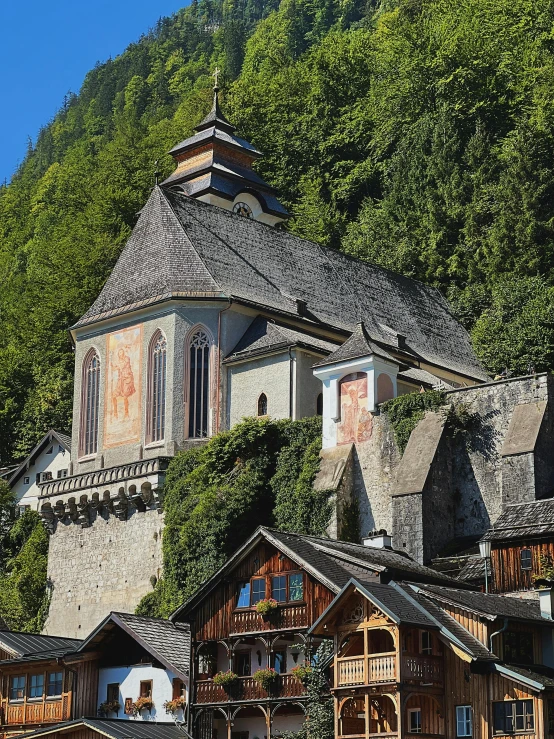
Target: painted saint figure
[{"x": 125, "y": 385}]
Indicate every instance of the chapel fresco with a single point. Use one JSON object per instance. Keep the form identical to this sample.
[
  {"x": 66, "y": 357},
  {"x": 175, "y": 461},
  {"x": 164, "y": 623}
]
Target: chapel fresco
[
  {"x": 356, "y": 422},
  {"x": 122, "y": 414}
]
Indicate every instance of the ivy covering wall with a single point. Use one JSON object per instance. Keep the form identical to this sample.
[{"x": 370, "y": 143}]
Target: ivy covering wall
[{"x": 258, "y": 473}]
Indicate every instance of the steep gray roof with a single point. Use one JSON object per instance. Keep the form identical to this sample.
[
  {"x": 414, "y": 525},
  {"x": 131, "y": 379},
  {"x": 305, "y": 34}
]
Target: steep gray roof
[
  {"x": 184, "y": 247},
  {"x": 114, "y": 729},
  {"x": 486, "y": 604},
  {"x": 264, "y": 335},
  {"x": 524, "y": 520},
  {"x": 21, "y": 644},
  {"x": 169, "y": 643},
  {"x": 48, "y": 438},
  {"x": 359, "y": 344}
]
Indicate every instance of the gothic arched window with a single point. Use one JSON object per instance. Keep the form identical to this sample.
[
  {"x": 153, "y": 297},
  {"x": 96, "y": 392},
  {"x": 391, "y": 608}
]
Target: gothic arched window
[
  {"x": 319, "y": 405},
  {"x": 90, "y": 404},
  {"x": 262, "y": 405},
  {"x": 199, "y": 384},
  {"x": 156, "y": 387}
]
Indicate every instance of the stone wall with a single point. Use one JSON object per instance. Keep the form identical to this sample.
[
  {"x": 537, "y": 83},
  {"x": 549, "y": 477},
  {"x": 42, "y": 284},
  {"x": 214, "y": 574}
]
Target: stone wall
[{"x": 105, "y": 567}]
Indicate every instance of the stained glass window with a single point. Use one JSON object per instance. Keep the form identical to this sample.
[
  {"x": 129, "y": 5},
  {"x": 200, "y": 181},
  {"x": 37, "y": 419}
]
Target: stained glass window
[
  {"x": 199, "y": 385},
  {"x": 262, "y": 405},
  {"x": 158, "y": 362},
  {"x": 91, "y": 384}
]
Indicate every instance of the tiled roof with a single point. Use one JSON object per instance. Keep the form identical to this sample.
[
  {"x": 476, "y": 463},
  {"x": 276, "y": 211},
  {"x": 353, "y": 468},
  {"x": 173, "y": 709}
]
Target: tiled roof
[
  {"x": 184, "y": 247},
  {"x": 167, "y": 642},
  {"x": 486, "y": 604},
  {"x": 395, "y": 601},
  {"x": 539, "y": 674},
  {"x": 22, "y": 644},
  {"x": 358, "y": 345},
  {"x": 523, "y": 520},
  {"x": 114, "y": 729},
  {"x": 264, "y": 335},
  {"x": 414, "y": 374}
]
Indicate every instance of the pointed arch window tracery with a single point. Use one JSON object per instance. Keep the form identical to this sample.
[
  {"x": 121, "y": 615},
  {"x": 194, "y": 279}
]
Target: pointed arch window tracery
[
  {"x": 90, "y": 404},
  {"x": 199, "y": 384},
  {"x": 157, "y": 388}
]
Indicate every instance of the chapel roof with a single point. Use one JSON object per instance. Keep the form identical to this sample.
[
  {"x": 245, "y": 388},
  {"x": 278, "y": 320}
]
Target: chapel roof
[
  {"x": 358, "y": 345},
  {"x": 182, "y": 247}
]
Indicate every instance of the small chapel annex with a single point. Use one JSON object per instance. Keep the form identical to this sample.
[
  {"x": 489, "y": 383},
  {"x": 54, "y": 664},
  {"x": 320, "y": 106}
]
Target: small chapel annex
[{"x": 215, "y": 312}]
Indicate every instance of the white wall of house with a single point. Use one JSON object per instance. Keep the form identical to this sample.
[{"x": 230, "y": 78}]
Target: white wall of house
[
  {"x": 129, "y": 679},
  {"x": 53, "y": 460}
]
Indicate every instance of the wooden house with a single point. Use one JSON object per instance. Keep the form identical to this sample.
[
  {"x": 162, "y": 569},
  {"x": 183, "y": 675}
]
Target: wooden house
[
  {"x": 522, "y": 547},
  {"x": 429, "y": 661},
  {"x": 302, "y": 575}
]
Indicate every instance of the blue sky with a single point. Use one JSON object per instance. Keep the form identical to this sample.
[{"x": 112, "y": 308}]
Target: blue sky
[{"x": 46, "y": 49}]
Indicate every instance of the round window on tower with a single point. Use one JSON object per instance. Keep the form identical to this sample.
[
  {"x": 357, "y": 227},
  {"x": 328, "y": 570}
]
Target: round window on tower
[{"x": 243, "y": 209}]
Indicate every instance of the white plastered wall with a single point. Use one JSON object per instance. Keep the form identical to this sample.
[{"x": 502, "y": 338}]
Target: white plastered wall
[{"x": 27, "y": 492}]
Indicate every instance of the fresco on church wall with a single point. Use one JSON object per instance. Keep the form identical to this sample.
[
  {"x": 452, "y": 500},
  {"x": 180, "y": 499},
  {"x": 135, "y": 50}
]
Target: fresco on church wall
[
  {"x": 122, "y": 411},
  {"x": 356, "y": 422}
]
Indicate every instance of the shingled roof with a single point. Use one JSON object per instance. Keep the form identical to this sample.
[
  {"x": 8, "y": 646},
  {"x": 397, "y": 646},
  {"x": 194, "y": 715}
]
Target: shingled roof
[
  {"x": 167, "y": 642},
  {"x": 523, "y": 521},
  {"x": 182, "y": 247},
  {"x": 359, "y": 344}
]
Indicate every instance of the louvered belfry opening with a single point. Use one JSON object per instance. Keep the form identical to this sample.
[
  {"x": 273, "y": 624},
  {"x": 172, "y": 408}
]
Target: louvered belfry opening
[{"x": 199, "y": 395}]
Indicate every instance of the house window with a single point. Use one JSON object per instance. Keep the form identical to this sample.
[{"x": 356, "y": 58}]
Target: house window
[
  {"x": 262, "y": 405},
  {"x": 21, "y": 510},
  {"x": 296, "y": 586},
  {"x": 464, "y": 726},
  {"x": 242, "y": 664},
  {"x": 54, "y": 684},
  {"x": 426, "y": 642},
  {"x": 526, "y": 560},
  {"x": 46, "y": 476},
  {"x": 61, "y": 450},
  {"x": 156, "y": 387},
  {"x": 37, "y": 478},
  {"x": 414, "y": 721},
  {"x": 36, "y": 688},
  {"x": 62, "y": 473},
  {"x": 279, "y": 588},
  {"x": 518, "y": 647},
  {"x": 49, "y": 451},
  {"x": 178, "y": 688},
  {"x": 319, "y": 405},
  {"x": 244, "y": 595},
  {"x": 112, "y": 692},
  {"x": 511, "y": 717},
  {"x": 258, "y": 590},
  {"x": 90, "y": 404},
  {"x": 26, "y": 480},
  {"x": 17, "y": 688},
  {"x": 146, "y": 688},
  {"x": 280, "y": 661},
  {"x": 199, "y": 386}
]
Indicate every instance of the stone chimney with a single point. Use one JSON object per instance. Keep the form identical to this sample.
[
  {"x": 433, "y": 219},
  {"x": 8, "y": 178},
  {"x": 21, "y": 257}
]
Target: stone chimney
[
  {"x": 546, "y": 596},
  {"x": 378, "y": 540}
]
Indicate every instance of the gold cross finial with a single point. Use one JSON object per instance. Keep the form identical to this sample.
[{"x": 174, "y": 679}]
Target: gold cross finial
[{"x": 215, "y": 75}]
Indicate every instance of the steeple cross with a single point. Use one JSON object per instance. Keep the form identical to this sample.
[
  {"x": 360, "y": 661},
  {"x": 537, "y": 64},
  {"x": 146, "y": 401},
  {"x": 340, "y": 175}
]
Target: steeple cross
[{"x": 215, "y": 75}]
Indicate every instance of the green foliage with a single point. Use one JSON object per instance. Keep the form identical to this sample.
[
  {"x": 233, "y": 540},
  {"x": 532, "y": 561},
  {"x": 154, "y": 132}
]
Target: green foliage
[
  {"x": 405, "y": 412},
  {"x": 24, "y": 594},
  {"x": 216, "y": 495}
]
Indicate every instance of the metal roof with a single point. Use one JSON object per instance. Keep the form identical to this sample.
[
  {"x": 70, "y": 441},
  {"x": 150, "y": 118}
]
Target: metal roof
[
  {"x": 115, "y": 729},
  {"x": 21, "y": 644}
]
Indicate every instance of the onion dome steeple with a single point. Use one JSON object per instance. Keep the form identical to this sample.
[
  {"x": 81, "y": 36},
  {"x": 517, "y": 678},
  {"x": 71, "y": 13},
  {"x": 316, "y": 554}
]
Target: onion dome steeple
[{"x": 215, "y": 165}]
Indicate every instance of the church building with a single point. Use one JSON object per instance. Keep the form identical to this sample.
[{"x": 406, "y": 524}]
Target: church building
[{"x": 213, "y": 312}]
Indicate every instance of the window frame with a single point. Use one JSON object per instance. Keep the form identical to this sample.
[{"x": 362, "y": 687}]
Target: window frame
[
  {"x": 526, "y": 551},
  {"x": 262, "y": 405},
  {"x": 503, "y": 731},
  {"x": 465, "y": 720},
  {"x": 89, "y": 415},
  {"x": 189, "y": 401},
  {"x": 264, "y": 596},
  {"x": 150, "y": 685},
  {"x": 21, "y": 688},
  {"x": 282, "y": 651},
  {"x": 112, "y": 692},
  {"x": 53, "y": 696},
  {"x": 242, "y": 654},
  {"x": 156, "y": 393},
  {"x": 518, "y": 638},
  {"x": 413, "y": 712},
  {"x": 268, "y": 579},
  {"x": 427, "y": 651},
  {"x": 30, "y": 695}
]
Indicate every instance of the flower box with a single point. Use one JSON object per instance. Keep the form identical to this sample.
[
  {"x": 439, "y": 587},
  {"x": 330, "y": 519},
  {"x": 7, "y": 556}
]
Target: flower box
[
  {"x": 228, "y": 680},
  {"x": 267, "y": 678},
  {"x": 142, "y": 704},
  {"x": 267, "y": 607},
  {"x": 175, "y": 705}
]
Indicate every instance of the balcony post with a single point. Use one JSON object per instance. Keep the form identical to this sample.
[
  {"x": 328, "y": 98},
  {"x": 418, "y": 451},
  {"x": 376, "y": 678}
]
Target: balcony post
[
  {"x": 229, "y": 726},
  {"x": 366, "y": 711}
]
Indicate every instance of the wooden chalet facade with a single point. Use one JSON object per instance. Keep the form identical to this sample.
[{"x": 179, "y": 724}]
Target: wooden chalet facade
[
  {"x": 417, "y": 662},
  {"x": 522, "y": 547},
  {"x": 303, "y": 575}
]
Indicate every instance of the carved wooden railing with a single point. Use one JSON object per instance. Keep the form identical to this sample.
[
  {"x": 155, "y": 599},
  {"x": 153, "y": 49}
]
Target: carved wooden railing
[
  {"x": 426, "y": 669},
  {"x": 287, "y": 617},
  {"x": 38, "y": 712},
  {"x": 381, "y": 668},
  {"x": 248, "y": 689}
]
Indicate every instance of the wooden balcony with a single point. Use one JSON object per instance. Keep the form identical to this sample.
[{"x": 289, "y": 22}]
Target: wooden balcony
[
  {"x": 381, "y": 668},
  {"x": 247, "y": 689},
  {"x": 249, "y": 621},
  {"x": 32, "y": 712},
  {"x": 423, "y": 669}
]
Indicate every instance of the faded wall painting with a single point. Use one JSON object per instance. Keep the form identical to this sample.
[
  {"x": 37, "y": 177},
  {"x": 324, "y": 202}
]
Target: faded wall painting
[
  {"x": 122, "y": 411},
  {"x": 356, "y": 422}
]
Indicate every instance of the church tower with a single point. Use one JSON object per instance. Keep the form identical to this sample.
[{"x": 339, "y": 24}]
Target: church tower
[{"x": 215, "y": 166}]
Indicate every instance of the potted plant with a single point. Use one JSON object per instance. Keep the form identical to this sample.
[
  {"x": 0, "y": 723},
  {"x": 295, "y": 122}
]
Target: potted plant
[
  {"x": 267, "y": 607},
  {"x": 175, "y": 705},
  {"x": 302, "y": 672},
  {"x": 107, "y": 707},
  {"x": 266, "y": 678},
  {"x": 142, "y": 704},
  {"x": 228, "y": 680}
]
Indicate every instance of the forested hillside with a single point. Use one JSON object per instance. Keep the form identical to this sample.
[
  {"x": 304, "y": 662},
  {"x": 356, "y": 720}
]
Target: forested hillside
[{"x": 415, "y": 133}]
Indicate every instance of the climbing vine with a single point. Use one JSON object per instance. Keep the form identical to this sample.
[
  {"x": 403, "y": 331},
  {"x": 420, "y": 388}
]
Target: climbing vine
[
  {"x": 406, "y": 411},
  {"x": 258, "y": 473}
]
